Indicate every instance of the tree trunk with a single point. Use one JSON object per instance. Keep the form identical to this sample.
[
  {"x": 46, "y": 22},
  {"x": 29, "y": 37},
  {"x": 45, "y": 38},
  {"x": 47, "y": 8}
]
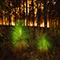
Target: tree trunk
[
  {"x": 19, "y": 10},
  {"x": 26, "y": 15},
  {"x": 9, "y": 14},
  {"x": 37, "y": 14},
  {"x": 33, "y": 12},
  {"x": 2, "y": 18},
  {"x": 45, "y": 14},
  {"x": 23, "y": 12},
  {"x": 15, "y": 12}
]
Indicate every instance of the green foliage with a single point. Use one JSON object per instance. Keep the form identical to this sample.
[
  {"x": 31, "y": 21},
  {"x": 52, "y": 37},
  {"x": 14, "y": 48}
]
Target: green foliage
[
  {"x": 44, "y": 43},
  {"x": 31, "y": 53},
  {"x": 19, "y": 36}
]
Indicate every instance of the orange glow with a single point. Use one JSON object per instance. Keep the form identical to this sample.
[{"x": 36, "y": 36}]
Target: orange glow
[
  {"x": 57, "y": 22},
  {"x": 25, "y": 22},
  {"x": 42, "y": 7},
  {"x": 29, "y": 9},
  {"x": 35, "y": 24},
  {"x": 0, "y": 23},
  {"x": 12, "y": 23},
  {"x": 3, "y": 23},
  {"x": 42, "y": 25},
  {"x": 47, "y": 24},
  {"x": 31, "y": 23}
]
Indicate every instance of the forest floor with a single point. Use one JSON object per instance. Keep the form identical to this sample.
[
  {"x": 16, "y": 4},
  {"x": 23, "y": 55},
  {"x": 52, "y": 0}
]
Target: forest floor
[{"x": 31, "y": 53}]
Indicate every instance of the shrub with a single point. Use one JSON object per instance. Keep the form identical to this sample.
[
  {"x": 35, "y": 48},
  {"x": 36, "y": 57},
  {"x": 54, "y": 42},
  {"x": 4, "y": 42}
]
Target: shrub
[
  {"x": 19, "y": 36},
  {"x": 44, "y": 43}
]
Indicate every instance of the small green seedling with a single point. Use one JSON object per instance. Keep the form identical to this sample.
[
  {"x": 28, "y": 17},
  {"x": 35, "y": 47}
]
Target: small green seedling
[
  {"x": 19, "y": 36},
  {"x": 43, "y": 44}
]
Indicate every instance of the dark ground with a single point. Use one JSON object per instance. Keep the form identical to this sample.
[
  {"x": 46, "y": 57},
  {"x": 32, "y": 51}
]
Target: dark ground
[{"x": 31, "y": 53}]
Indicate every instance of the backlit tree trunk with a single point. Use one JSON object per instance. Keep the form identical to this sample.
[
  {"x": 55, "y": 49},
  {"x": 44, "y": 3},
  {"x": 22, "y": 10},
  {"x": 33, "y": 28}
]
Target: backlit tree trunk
[
  {"x": 45, "y": 13},
  {"x": 19, "y": 9},
  {"x": 33, "y": 12},
  {"x": 26, "y": 14},
  {"x": 15, "y": 12},
  {"x": 37, "y": 14},
  {"x": 9, "y": 14}
]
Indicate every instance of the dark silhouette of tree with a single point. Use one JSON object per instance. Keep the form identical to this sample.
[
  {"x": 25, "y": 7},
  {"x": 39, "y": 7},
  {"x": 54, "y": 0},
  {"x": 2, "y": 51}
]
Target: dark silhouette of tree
[
  {"x": 26, "y": 14},
  {"x": 9, "y": 14},
  {"x": 33, "y": 12},
  {"x": 45, "y": 13},
  {"x": 37, "y": 15},
  {"x": 15, "y": 12},
  {"x": 19, "y": 9}
]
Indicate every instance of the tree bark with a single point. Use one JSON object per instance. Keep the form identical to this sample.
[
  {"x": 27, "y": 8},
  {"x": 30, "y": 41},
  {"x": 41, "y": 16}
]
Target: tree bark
[
  {"x": 9, "y": 14},
  {"x": 26, "y": 15},
  {"x": 33, "y": 12},
  {"x": 37, "y": 14},
  {"x": 19, "y": 10},
  {"x": 15, "y": 12},
  {"x": 45, "y": 14}
]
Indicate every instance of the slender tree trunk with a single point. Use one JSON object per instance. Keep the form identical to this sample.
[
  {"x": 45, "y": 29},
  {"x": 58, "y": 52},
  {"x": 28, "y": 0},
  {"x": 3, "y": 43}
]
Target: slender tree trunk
[
  {"x": 45, "y": 14},
  {"x": 5, "y": 15},
  {"x": 15, "y": 12},
  {"x": 9, "y": 15},
  {"x": 37, "y": 14},
  {"x": 40, "y": 17},
  {"x": 1, "y": 13},
  {"x": 2, "y": 16},
  {"x": 49, "y": 18},
  {"x": 9, "y": 18},
  {"x": 23, "y": 12},
  {"x": 33, "y": 12},
  {"x": 19, "y": 10},
  {"x": 59, "y": 13},
  {"x": 26, "y": 15}
]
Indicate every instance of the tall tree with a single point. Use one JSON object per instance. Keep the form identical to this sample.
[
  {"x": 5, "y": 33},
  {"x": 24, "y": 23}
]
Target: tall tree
[
  {"x": 37, "y": 15},
  {"x": 50, "y": 9},
  {"x": 45, "y": 13},
  {"x": 33, "y": 12},
  {"x": 26, "y": 14},
  {"x": 19, "y": 9},
  {"x": 9, "y": 14},
  {"x": 15, "y": 12},
  {"x": 23, "y": 10}
]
